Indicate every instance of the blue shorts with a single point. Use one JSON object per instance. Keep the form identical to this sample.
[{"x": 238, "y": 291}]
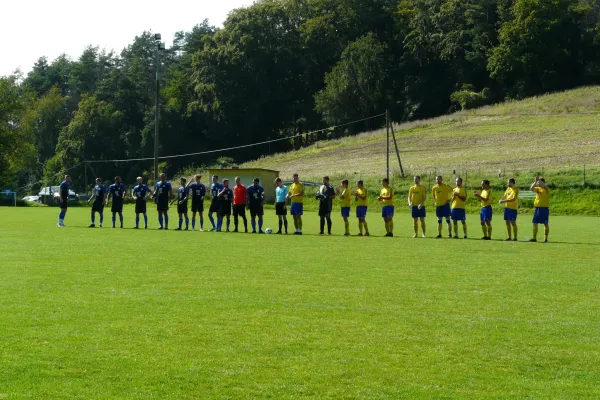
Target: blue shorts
[
  {"x": 387, "y": 211},
  {"x": 345, "y": 212},
  {"x": 510, "y": 214},
  {"x": 541, "y": 215},
  {"x": 297, "y": 209},
  {"x": 416, "y": 213},
  {"x": 443, "y": 211},
  {"x": 459, "y": 214},
  {"x": 361, "y": 211},
  {"x": 486, "y": 214}
]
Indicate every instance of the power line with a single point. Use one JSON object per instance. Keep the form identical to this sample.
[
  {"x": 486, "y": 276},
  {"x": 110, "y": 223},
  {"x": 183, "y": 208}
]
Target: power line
[{"x": 241, "y": 146}]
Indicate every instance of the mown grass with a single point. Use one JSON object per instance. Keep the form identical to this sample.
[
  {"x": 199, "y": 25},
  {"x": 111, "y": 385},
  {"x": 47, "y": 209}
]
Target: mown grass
[
  {"x": 111, "y": 313},
  {"x": 556, "y": 132}
]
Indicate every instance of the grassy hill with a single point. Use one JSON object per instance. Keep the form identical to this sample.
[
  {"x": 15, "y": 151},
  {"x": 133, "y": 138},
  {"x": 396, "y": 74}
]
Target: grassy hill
[{"x": 555, "y": 132}]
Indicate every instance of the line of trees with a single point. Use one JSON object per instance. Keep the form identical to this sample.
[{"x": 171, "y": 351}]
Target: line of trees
[{"x": 282, "y": 67}]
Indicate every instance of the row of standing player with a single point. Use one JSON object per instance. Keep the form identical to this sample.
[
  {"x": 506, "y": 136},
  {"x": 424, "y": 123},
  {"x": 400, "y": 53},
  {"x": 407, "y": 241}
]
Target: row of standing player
[{"x": 450, "y": 204}]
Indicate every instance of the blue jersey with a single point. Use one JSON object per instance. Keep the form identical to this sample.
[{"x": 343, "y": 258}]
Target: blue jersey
[
  {"x": 140, "y": 192},
  {"x": 99, "y": 193},
  {"x": 182, "y": 194},
  {"x": 118, "y": 192},
  {"x": 198, "y": 191},
  {"x": 64, "y": 191},
  {"x": 281, "y": 193},
  {"x": 227, "y": 195},
  {"x": 255, "y": 195},
  {"x": 215, "y": 189},
  {"x": 162, "y": 191}
]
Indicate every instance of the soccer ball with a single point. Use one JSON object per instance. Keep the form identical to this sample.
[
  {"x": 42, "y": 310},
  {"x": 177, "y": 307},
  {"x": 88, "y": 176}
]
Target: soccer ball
[{"x": 269, "y": 231}]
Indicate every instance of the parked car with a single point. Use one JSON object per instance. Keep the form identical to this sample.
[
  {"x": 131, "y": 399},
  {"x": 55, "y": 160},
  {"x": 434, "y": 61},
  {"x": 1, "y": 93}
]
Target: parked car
[
  {"x": 32, "y": 199},
  {"x": 55, "y": 192}
]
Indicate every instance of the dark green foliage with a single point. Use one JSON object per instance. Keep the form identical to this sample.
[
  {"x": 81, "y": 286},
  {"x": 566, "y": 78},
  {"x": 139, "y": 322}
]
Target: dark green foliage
[{"x": 283, "y": 67}]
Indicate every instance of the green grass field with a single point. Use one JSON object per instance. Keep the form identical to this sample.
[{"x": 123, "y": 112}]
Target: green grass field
[
  {"x": 557, "y": 132},
  {"x": 111, "y": 313}
]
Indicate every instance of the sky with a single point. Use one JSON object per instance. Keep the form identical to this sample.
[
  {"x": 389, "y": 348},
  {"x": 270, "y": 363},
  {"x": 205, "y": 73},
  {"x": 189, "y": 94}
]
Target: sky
[{"x": 34, "y": 28}]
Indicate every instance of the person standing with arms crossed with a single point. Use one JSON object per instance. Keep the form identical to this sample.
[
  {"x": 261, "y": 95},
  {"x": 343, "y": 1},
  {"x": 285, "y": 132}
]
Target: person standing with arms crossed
[
  {"x": 296, "y": 196},
  {"x": 441, "y": 195}
]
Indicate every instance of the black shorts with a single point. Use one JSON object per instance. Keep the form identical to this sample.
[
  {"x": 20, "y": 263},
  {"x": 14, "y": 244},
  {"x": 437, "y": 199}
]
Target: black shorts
[
  {"x": 182, "y": 208},
  {"x": 197, "y": 207},
  {"x": 280, "y": 208},
  {"x": 140, "y": 207},
  {"x": 98, "y": 207},
  {"x": 256, "y": 211},
  {"x": 239, "y": 210},
  {"x": 116, "y": 207},
  {"x": 225, "y": 209},
  {"x": 162, "y": 206},
  {"x": 215, "y": 206},
  {"x": 62, "y": 204},
  {"x": 324, "y": 210}
]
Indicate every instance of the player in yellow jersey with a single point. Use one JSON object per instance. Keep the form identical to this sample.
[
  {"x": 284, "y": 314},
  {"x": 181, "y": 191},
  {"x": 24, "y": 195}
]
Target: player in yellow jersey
[
  {"x": 511, "y": 205},
  {"x": 296, "y": 196},
  {"x": 442, "y": 195},
  {"x": 485, "y": 198},
  {"x": 386, "y": 197},
  {"x": 362, "y": 204},
  {"x": 542, "y": 207},
  {"x": 459, "y": 197},
  {"x": 417, "y": 194},
  {"x": 346, "y": 202}
]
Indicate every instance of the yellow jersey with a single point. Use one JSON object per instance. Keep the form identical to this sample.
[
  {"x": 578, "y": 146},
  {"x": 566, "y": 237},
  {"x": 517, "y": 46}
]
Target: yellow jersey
[
  {"x": 486, "y": 193},
  {"x": 387, "y": 192},
  {"x": 297, "y": 188},
  {"x": 417, "y": 194},
  {"x": 362, "y": 202},
  {"x": 542, "y": 197},
  {"x": 458, "y": 203},
  {"x": 345, "y": 198},
  {"x": 509, "y": 194},
  {"x": 441, "y": 194}
]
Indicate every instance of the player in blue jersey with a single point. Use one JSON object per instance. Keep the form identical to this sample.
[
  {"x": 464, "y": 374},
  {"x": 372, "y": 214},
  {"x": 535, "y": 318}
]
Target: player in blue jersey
[
  {"x": 198, "y": 192},
  {"x": 281, "y": 193},
  {"x": 63, "y": 200},
  {"x": 182, "y": 204},
  {"x": 116, "y": 191},
  {"x": 140, "y": 193},
  {"x": 163, "y": 193},
  {"x": 256, "y": 197},
  {"x": 99, "y": 196},
  {"x": 226, "y": 196},
  {"x": 215, "y": 203}
]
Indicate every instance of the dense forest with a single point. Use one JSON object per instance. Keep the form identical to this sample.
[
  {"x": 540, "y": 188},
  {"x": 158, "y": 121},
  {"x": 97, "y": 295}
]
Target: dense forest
[{"x": 283, "y": 67}]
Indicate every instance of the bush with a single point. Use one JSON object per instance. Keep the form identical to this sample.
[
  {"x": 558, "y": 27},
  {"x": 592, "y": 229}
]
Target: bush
[{"x": 469, "y": 99}]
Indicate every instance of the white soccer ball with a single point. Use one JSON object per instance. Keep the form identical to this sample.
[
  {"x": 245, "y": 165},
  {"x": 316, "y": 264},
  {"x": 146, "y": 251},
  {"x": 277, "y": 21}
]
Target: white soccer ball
[{"x": 268, "y": 231}]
